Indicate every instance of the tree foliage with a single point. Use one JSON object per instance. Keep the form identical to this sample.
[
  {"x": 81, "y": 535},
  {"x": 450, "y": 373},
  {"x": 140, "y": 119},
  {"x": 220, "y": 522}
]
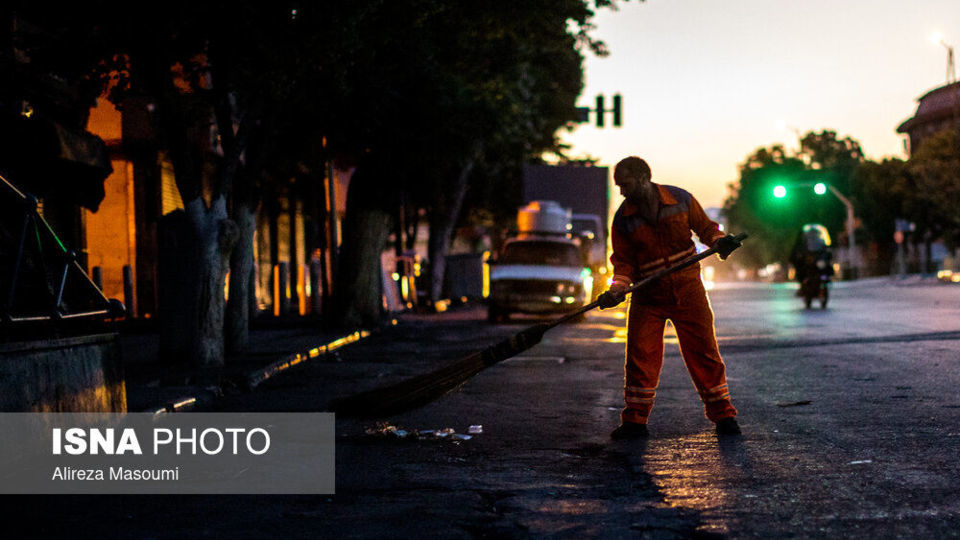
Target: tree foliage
[
  {"x": 881, "y": 192},
  {"x": 451, "y": 92},
  {"x": 774, "y": 223},
  {"x": 933, "y": 176},
  {"x": 923, "y": 191},
  {"x": 421, "y": 96}
]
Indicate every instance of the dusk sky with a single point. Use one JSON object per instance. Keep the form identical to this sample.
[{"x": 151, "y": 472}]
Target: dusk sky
[{"x": 705, "y": 83}]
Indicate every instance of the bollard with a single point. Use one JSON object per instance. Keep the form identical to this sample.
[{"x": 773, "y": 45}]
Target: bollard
[
  {"x": 275, "y": 290},
  {"x": 128, "y": 291},
  {"x": 301, "y": 288},
  {"x": 284, "y": 287},
  {"x": 316, "y": 293}
]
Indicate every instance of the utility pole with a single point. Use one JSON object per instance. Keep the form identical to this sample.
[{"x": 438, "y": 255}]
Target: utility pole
[{"x": 951, "y": 71}]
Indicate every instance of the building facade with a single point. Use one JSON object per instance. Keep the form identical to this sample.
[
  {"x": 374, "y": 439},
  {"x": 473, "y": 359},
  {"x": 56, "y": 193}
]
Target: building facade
[{"x": 938, "y": 109}]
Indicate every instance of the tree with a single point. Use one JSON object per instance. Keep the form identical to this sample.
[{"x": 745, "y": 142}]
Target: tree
[
  {"x": 880, "y": 192},
  {"x": 417, "y": 95},
  {"x": 447, "y": 88},
  {"x": 773, "y": 222},
  {"x": 212, "y": 70},
  {"x": 751, "y": 207},
  {"x": 934, "y": 202}
]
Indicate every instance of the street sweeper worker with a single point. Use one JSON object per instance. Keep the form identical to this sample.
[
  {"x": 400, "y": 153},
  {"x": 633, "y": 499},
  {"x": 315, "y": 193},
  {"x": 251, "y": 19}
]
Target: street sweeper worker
[{"x": 652, "y": 230}]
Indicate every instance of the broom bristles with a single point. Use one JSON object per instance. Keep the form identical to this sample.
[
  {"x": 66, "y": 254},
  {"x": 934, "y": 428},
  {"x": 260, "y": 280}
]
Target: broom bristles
[
  {"x": 428, "y": 387},
  {"x": 410, "y": 393}
]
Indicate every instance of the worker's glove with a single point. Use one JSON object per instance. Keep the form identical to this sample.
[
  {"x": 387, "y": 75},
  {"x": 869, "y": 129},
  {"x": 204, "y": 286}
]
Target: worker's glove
[
  {"x": 726, "y": 245},
  {"x": 612, "y": 297}
]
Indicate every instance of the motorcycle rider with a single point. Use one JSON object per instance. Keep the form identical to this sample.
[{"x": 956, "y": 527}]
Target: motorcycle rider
[{"x": 813, "y": 244}]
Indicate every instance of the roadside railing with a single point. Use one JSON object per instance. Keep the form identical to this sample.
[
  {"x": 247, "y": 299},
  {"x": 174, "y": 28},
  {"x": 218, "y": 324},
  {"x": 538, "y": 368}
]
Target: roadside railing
[{"x": 43, "y": 279}]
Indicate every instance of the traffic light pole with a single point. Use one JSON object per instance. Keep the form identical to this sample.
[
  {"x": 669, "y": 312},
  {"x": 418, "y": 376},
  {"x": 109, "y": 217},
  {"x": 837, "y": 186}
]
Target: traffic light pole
[{"x": 851, "y": 243}]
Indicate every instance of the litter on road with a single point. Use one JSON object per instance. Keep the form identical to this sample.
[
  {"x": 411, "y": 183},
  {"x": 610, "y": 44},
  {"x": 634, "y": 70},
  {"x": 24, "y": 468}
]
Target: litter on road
[{"x": 386, "y": 430}]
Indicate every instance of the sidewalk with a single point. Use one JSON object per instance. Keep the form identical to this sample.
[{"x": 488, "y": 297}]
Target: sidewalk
[{"x": 276, "y": 346}]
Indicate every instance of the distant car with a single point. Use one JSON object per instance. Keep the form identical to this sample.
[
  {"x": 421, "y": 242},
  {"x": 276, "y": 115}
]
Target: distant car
[{"x": 538, "y": 275}]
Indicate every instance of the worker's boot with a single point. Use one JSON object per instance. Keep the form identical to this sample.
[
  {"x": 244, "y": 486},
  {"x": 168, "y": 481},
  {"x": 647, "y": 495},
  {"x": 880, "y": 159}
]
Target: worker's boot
[
  {"x": 629, "y": 430},
  {"x": 728, "y": 426}
]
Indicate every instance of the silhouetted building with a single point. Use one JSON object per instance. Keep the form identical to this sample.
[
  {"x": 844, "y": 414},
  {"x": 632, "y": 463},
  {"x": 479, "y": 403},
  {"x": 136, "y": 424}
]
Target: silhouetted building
[{"x": 938, "y": 109}]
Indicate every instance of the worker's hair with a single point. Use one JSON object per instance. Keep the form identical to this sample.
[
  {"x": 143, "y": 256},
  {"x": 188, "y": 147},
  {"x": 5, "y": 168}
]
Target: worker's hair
[{"x": 632, "y": 167}]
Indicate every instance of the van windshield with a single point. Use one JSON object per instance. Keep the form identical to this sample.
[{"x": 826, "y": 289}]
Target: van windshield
[{"x": 545, "y": 253}]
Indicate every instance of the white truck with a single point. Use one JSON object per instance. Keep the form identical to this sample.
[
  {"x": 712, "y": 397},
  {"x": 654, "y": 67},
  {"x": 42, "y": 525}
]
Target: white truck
[
  {"x": 541, "y": 270},
  {"x": 585, "y": 191}
]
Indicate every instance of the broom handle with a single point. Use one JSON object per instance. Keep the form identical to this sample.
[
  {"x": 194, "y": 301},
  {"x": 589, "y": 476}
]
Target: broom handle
[{"x": 643, "y": 282}]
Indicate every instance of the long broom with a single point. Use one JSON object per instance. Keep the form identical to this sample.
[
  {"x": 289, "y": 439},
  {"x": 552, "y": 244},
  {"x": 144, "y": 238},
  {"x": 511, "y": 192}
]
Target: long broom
[{"x": 423, "y": 389}]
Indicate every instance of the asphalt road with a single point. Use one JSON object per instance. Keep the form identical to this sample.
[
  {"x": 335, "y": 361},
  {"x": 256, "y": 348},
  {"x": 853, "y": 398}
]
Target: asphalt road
[
  {"x": 851, "y": 420},
  {"x": 851, "y": 417}
]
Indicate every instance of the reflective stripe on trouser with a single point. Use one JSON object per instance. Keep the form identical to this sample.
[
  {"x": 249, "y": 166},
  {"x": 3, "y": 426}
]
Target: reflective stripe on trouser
[{"x": 693, "y": 320}]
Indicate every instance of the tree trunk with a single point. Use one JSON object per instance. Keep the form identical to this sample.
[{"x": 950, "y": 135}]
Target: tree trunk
[
  {"x": 358, "y": 290},
  {"x": 184, "y": 121},
  {"x": 442, "y": 222},
  {"x": 237, "y": 325},
  {"x": 217, "y": 236},
  {"x": 196, "y": 251}
]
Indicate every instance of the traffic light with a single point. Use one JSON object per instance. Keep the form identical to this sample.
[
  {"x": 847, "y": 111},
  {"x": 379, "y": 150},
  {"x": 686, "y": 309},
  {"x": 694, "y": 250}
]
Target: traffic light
[
  {"x": 583, "y": 113},
  {"x": 600, "y": 110},
  {"x": 616, "y": 110},
  {"x": 820, "y": 188},
  {"x": 780, "y": 192}
]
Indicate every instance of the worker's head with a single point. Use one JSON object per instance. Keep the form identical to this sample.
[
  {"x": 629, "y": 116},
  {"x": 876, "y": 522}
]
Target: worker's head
[{"x": 632, "y": 175}]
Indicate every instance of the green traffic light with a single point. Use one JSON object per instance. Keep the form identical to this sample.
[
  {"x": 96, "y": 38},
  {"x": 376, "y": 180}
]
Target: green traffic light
[
  {"x": 780, "y": 192},
  {"x": 820, "y": 188}
]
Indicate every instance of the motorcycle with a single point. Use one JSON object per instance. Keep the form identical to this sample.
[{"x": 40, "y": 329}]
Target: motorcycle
[
  {"x": 813, "y": 262},
  {"x": 816, "y": 284}
]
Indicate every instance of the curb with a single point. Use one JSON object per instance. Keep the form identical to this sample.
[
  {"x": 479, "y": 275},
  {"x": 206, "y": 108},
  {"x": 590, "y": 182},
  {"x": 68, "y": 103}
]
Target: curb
[
  {"x": 187, "y": 402},
  {"x": 255, "y": 378}
]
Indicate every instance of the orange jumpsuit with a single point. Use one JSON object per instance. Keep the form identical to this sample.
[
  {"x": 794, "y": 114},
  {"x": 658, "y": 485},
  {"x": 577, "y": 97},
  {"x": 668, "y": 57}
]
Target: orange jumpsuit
[{"x": 641, "y": 247}]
